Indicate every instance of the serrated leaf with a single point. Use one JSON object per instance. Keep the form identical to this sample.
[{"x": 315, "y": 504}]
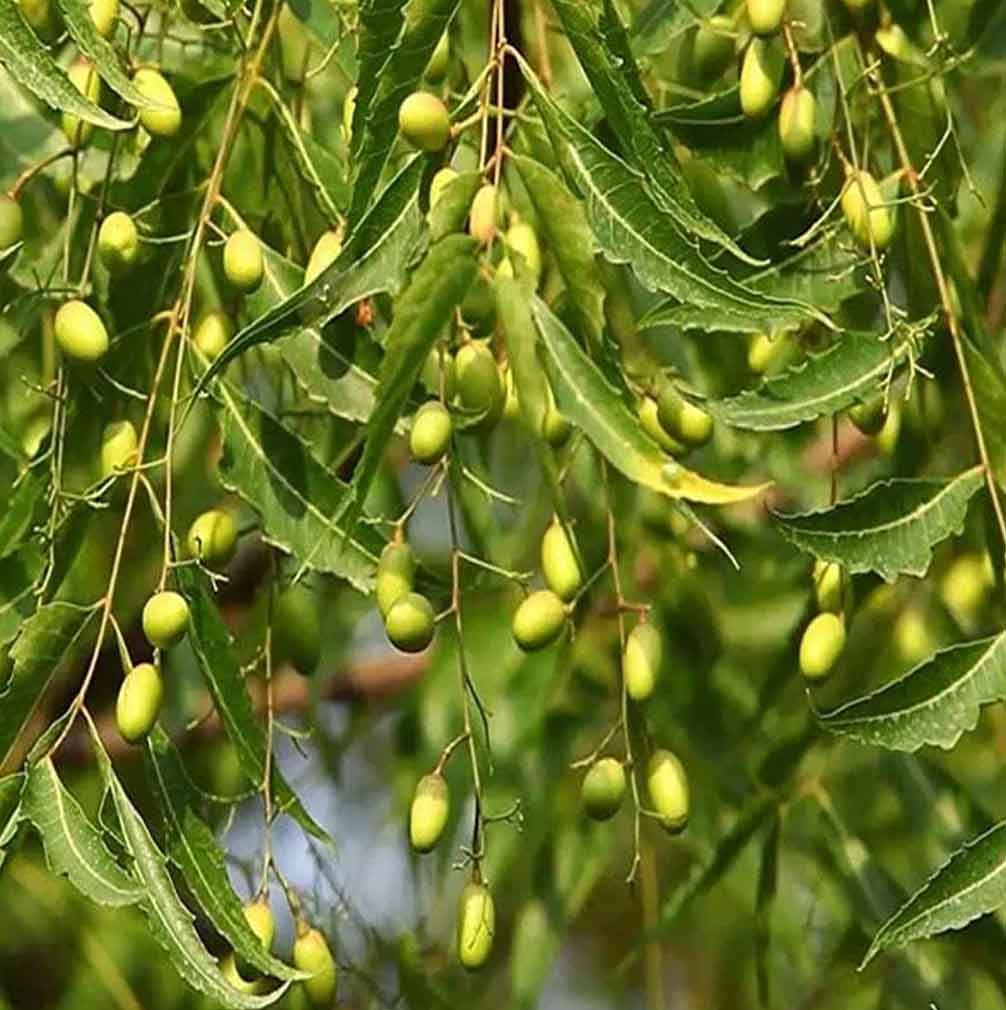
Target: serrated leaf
[
  {"x": 933, "y": 704},
  {"x": 380, "y": 25},
  {"x": 20, "y": 510},
  {"x": 192, "y": 847},
  {"x": 73, "y": 844},
  {"x": 590, "y": 402},
  {"x": 970, "y": 884},
  {"x": 891, "y": 528},
  {"x": 28, "y": 62}
]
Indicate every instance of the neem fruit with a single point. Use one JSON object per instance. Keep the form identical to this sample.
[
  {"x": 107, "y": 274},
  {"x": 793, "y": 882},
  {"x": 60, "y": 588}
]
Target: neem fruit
[
  {"x": 79, "y": 331},
  {"x": 139, "y": 702},
  {"x": 118, "y": 242},
  {"x": 869, "y": 417},
  {"x": 603, "y": 789},
  {"x": 165, "y": 619},
  {"x": 440, "y": 181},
  {"x": 424, "y": 121},
  {"x": 213, "y": 537},
  {"x": 641, "y": 661},
  {"x": 104, "y": 14},
  {"x": 682, "y": 420},
  {"x": 480, "y": 385},
  {"x": 431, "y": 433},
  {"x": 118, "y": 447},
  {"x": 761, "y": 74},
  {"x": 483, "y": 218},
  {"x": 797, "y": 119},
  {"x": 396, "y": 571},
  {"x": 558, "y": 562},
  {"x": 830, "y": 583},
  {"x": 439, "y": 61},
  {"x": 865, "y": 213},
  {"x": 765, "y": 16},
  {"x": 668, "y": 788},
  {"x": 428, "y": 813},
  {"x": 296, "y": 629},
  {"x": 165, "y": 117},
  {"x": 213, "y": 333},
  {"x": 522, "y": 239},
  {"x": 11, "y": 222},
  {"x": 243, "y": 262},
  {"x": 821, "y": 645},
  {"x": 539, "y": 620},
  {"x": 476, "y": 925},
  {"x": 311, "y": 954},
  {"x": 410, "y": 623},
  {"x": 713, "y": 48}
]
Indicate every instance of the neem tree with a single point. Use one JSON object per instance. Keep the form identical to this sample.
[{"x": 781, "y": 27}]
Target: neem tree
[{"x": 633, "y": 358}]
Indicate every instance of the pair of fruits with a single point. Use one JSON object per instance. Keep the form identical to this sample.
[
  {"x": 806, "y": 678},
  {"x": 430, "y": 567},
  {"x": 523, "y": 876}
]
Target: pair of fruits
[
  {"x": 673, "y": 422},
  {"x": 408, "y": 616},
  {"x": 604, "y": 785},
  {"x": 824, "y": 637}
]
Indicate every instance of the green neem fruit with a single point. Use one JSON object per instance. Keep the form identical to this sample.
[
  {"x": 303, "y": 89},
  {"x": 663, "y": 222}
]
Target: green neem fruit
[
  {"x": 430, "y": 377},
  {"x": 213, "y": 537},
  {"x": 324, "y": 253},
  {"x": 165, "y": 619},
  {"x": 85, "y": 79},
  {"x": 797, "y": 119},
  {"x": 644, "y": 653},
  {"x": 431, "y": 433},
  {"x": 104, "y": 14},
  {"x": 668, "y": 787},
  {"x": 483, "y": 218},
  {"x": 822, "y": 643},
  {"x": 348, "y": 112},
  {"x": 439, "y": 61},
  {"x": 689, "y": 424},
  {"x": 887, "y": 437},
  {"x": 893, "y": 41},
  {"x": 164, "y": 118},
  {"x": 476, "y": 925},
  {"x": 556, "y": 427},
  {"x": 713, "y": 48},
  {"x": 428, "y": 814},
  {"x": 965, "y": 586},
  {"x": 118, "y": 447},
  {"x": 260, "y": 918},
  {"x": 396, "y": 571},
  {"x": 294, "y": 44},
  {"x": 869, "y": 417},
  {"x": 213, "y": 333},
  {"x": 765, "y": 16},
  {"x": 424, "y": 121},
  {"x": 139, "y": 702},
  {"x": 603, "y": 788},
  {"x": 912, "y": 636},
  {"x": 229, "y": 970},
  {"x": 440, "y": 181},
  {"x": 865, "y": 213},
  {"x": 558, "y": 562},
  {"x": 830, "y": 584},
  {"x": 79, "y": 331},
  {"x": 761, "y": 74},
  {"x": 762, "y": 351},
  {"x": 311, "y": 954},
  {"x": 522, "y": 239},
  {"x": 296, "y": 629},
  {"x": 410, "y": 623},
  {"x": 480, "y": 385},
  {"x": 118, "y": 242},
  {"x": 243, "y": 263},
  {"x": 11, "y": 222},
  {"x": 650, "y": 421},
  {"x": 539, "y": 620}
]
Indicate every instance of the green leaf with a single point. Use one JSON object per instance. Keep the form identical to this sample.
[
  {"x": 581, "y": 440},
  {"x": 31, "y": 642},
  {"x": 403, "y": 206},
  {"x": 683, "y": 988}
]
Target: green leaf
[
  {"x": 970, "y": 884},
  {"x": 192, "y": 847},
  {"x": 891, "y": 528},
  {"x": 934, "y": 703},
  {"x": 73, "y": 844},
  {"x": 590, "y": 402},
  {"x": 20, "y": 510},
  {"x": 19, "y": 576},
  {"x": 768, "y": 886},
  {"x": 28, "y": 61},
  {"x": 380, "y": 25},
  {"x": 448, "y": 214}
]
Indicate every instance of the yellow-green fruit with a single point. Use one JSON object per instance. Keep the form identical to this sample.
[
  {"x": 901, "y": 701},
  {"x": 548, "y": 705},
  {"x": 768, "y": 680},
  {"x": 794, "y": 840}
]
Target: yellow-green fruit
[
  {"x": 603, "y": 788},
  {"x": 260, "y": 918},
  {"x": 440, "y": 181},
  {"x": 11, "y": 222},
  {"x": 797, "y": 119},
  {"x": 164, "y": 118},
  {"x": 348, "y": 112},
  {"x": 965, "y": 586},
  {"x": 480, "y": 384},
  {"x": 522, "y": 239},
  {"x": 118, "y": 242},
  {"x": 713, "y": 48},
  {"x": 539, "y": 620},
  {"x": 556, "y": 428},
  {"x": 476, "y": 925},
  {"x": 436, "y": 360},
  {"x": 650, "y": 421},
  {"x": 830, "y": 584},
  {"x": 294, "y": 44},
  {"x": 822, "y": 643},
  {"x": 668, "y": 788},
  {"x": 483, "y": 218},
  {"x": 229, "y": 970},
  {"x": 893, "y": 41},
  {"x": 912, "y": 636},
  {"x": 431, "y": 433},
  {"x": 323, "y": 255},
  {"x": 410, "y": 623},
  {"x": 79, "y": 331},
  {"x": 396, "y": 570},
  {"x": 85, "y": 79},
  {"x": 311, "y": 954},
  {"x": 139, "y": 702},
  {"x": 213, "y": 333},
  {"x": 439, "y": 61},
  {"x": 887, "y": 437},
  {"x": 243, "y": 263},
  {"x": 424, "y": 121},
  {"x": 213, "y": 537},
  {"x": 682, "y": 420},
  {"x": 644, "y": 654},
  {"x": 428, "y": 814},
  {"x": 865, "y": 213},
  {"x": 104, "y": 14},
  {"x": 165, "y": 619},
  {"x": 761, "y": 74},
  {"x": 765, "y": 16},
  {"x": 558, "y": 562},
  {"x": 762, "y": 351},
  {"x": 118, "y": 447},
  {"x": 869, "y": 417},
  {"x": 296, "y": 629}
]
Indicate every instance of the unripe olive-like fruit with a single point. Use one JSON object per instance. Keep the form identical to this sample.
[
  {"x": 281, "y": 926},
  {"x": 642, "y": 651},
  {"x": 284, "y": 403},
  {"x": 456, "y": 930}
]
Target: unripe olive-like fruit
[
  {"x": 689, "y": 424},
  {"x": 761, "y": 352},
  {"x": 480, "y": 385},
  {"x": 650, "y": 421},
  {"x": 139, "y": 702},
  {"x": 965, "y": 586},
  {"x": 713, "y": 48},
  {"x": 440, "y": 181},
  {"x": 436, "y": 361},
  {"x": 865, "y": 214},
  {"x": 761, "y": 74},
  {"x": 556, "y": 427},
  {"x": 822, "y": 643},
  {"x": 213, "y": 333},
  {"x": 476, "y": 925},
  {"x": 311, "y": 954},
  {"x": 603, "y": 788},
  {"x": 104, "y": 14},
  {"x": 325, "y": 252},
  {"x": 165, "y": 619},
  {"x": 439, "y": 61},
  {"x": 913, "y": 638},
  {"x": 396, "y": 571},
  {"x": 668, "y": 788},
  {"x": 424, "y": 121},
  {"x": 85, "y": 79},
  {"x": 410, "y": 623},
  {"x": 539, "y": 620},
  {"x": 118, "y": 242},
  {"x": 887, "y": 437},
  {"x": 522, "y": 239},
  {"x": 243, "y": 263},
  {"x": 644, "y": 654},
  {"x": 830, "y": 584},
  {"x": 229, "y": 970},
  {"x": 296, "y": 629},
  {"x": 164, "y": 118},
  {"x": 893, "y": 41},
  {"x": 11, "y": 222},
  {"x": 213, "y": 537},
  {"x": 797, "y": 119},
  {"x": 429, "y": 811},
  {"x": 558, "y": 562},
  {"x": 431, "y": 433},
  {"x": 260, "y": 918},
  {"x": 118, "y": 447},
  {"x": 483, "y": 218},
  {"x": 869, "y": 417},
  {"x": 765, "y": 16},
  {"x": 79, "y": 331}
]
